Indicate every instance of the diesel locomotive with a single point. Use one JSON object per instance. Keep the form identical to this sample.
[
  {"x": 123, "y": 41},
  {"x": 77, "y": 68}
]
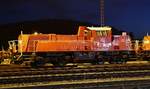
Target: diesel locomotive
[{"x": 95, "y": 45}]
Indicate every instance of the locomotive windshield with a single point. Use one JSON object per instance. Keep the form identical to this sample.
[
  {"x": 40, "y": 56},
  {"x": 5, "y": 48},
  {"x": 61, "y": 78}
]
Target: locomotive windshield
[{"x": 101, "y": 31}]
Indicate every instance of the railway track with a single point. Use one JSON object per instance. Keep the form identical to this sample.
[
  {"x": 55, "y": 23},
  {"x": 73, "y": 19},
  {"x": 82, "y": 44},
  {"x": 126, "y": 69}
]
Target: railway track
[
  {"x": 110, "y": 83},
  {"x": 72, "y": 76},
  {"x": 21, "y": 70},
  {"x": 76, "y": 66},
  {"x": 27, "y": 74}
]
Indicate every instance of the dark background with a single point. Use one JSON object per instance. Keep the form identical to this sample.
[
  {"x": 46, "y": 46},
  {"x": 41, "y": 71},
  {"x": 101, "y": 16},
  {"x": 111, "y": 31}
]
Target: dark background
[{"x": 64, "y": 16}]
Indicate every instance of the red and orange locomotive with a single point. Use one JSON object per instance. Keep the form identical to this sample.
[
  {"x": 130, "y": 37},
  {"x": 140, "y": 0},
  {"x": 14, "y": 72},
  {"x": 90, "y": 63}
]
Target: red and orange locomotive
[{"x": 91, "y": 44}]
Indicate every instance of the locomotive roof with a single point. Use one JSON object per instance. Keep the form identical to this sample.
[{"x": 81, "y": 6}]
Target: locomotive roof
[{"x": 100, "y": 28}]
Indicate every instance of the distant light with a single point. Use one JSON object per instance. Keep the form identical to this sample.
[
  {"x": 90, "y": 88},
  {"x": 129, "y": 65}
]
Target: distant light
[{"x": 35, "y": 33}]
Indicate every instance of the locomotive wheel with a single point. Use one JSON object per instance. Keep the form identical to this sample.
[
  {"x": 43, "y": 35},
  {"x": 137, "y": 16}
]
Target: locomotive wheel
[
  {"x": 118, "y": 61},
  {"x": 98, "y": 61},
  {"x": 59, "y": 63}
]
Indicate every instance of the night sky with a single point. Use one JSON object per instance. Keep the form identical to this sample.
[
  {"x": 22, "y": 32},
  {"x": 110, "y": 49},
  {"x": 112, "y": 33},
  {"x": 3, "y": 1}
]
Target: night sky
[{"x": 128, "y": 15}]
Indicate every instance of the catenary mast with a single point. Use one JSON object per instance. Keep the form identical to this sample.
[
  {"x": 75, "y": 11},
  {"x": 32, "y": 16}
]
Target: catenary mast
[{"x": 102, "y": 17}]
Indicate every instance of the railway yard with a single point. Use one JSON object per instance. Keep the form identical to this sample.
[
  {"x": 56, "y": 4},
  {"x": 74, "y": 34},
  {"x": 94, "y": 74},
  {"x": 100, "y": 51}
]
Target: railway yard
[
  {"x": 93, "y": 58},
  {"x": 133, "y": 75}
]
